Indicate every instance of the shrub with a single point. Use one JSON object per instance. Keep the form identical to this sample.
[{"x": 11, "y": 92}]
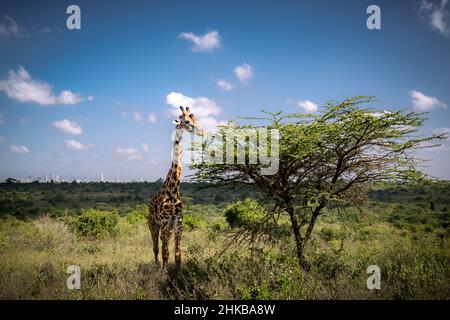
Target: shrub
[
  {"x": 327, "y": 234},
  {"x": 329, "y": 264},
  {"x": 410, "y": 266},
  {"x": 95, "y": 223},
  {"x": 217, "y": 227},
  {"x": 60, "y": 212},
  {"x": 138, "y": 215},
  {"x": 244, "y": 213},
  {"x": 191, "y": 221}
]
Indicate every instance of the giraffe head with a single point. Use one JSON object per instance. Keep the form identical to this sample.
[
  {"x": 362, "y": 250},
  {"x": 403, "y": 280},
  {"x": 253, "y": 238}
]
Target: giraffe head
[{"x": 187, "y": 121}]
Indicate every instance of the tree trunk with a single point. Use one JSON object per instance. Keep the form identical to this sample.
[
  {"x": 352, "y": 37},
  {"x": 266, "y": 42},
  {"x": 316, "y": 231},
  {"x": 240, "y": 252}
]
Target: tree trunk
[{"x": 299, "y": 240}]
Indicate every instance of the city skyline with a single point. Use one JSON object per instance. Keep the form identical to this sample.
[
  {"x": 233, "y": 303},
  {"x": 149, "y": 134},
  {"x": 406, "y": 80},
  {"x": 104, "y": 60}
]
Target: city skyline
[{"x": 53, "y": 177}]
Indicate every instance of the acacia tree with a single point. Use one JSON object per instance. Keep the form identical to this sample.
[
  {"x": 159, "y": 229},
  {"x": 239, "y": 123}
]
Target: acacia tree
[{"x": 327, "y": 159}]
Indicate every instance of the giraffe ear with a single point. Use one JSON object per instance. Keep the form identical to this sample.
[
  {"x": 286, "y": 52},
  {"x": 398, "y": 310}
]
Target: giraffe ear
[{"x": 176, "y": 121}]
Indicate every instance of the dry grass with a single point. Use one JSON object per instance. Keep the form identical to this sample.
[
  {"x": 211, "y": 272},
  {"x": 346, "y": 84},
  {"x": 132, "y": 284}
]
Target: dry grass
[{"x": 34, "y": 256}]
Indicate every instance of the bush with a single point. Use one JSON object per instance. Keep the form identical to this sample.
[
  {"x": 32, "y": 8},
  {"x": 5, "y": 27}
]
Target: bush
[
  {"x": 191, "y": 221},
  {"x": 218, "y": 226},
  {"x": 138, "y": 215},
  {"x": 327, "y": 234},
  {"x": 95, "y": 223},
  {"x": 244, "y": 213},
  {"x": 410, "y": 266}
]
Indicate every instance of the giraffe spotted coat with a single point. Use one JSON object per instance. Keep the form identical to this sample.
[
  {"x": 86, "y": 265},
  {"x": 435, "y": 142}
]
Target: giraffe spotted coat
[{"x": 166, "y": 207}]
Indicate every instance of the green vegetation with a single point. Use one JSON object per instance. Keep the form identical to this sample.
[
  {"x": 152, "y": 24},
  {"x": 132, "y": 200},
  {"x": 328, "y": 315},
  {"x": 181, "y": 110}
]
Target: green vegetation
[
  {"x": 326, "y": 159},
  {"x": 95, "y": 223},
  {"x": 248, "y": 235},
  {"x": 244, "y": 213},
  {"x": 138, "y": 214},
  {"x": 404, "y": 229}
]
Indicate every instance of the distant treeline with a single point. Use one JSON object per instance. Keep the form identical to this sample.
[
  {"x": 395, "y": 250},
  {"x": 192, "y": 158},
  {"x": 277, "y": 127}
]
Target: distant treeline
[{"x": 30, "y": 199}]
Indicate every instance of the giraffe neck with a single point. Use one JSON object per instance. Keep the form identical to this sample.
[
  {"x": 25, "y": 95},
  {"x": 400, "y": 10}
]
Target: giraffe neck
[{"x": 174, "y": 174}]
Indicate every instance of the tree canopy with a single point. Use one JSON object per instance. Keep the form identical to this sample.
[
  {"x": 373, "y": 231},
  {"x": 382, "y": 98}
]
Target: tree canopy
[{"x": 325, "y": 159}]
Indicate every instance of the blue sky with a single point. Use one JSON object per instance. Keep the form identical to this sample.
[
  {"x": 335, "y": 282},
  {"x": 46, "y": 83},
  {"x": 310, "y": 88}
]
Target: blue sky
[{"x": 101, "y": 99}]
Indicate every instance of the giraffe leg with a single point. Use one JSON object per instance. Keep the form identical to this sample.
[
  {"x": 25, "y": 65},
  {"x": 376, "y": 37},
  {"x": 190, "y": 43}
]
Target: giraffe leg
[
  {"x": 154, "y": 230},
  {"x": 178, "y": 229},
  {"x": 166, "y": 233}
]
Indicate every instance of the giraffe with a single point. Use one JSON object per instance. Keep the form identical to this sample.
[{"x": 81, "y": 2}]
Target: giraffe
[{"x": 166, "y": 207}]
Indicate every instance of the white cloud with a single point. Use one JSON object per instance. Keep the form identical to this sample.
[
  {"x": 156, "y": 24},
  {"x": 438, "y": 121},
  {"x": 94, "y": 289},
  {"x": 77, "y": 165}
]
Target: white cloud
[
  {"x": 425, "y": 5},
  {"x": 441, "y": 130},
  {"x": 68, "y": 97},
  {"x": 151, "y": 117},
  {"x": 224, "y": 85},
  {"x": 388, "y": 114},
  {"x": 21, "y": 87},
  {"x": 378, "y": 114},
  {"x": 422, "y": 102},
  {"x": 438, "y": 22},
  {"x": 137, "y": 116},
  {"x": 203, "y": 108},
  {"x": 76, "y": 145},
  {"x": 129, "y": 153},
  {"x": 90, "y": 98},
  {"x": 69, "y": 127},
  {"x": 434, "y": 147},
  {"x": 308, "y": 106},
  {"x": 210, "y": 123},
  {"x": 145, "y": 147},
  {"x": 444, "y": 130},
  {"x": 244, "y": 72},
  {"x": 207, "y": 42},
  {"x": 10, "y": 28},
  {"x": 437, "y": 15},
  {"x": 19, "y": 149}
]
